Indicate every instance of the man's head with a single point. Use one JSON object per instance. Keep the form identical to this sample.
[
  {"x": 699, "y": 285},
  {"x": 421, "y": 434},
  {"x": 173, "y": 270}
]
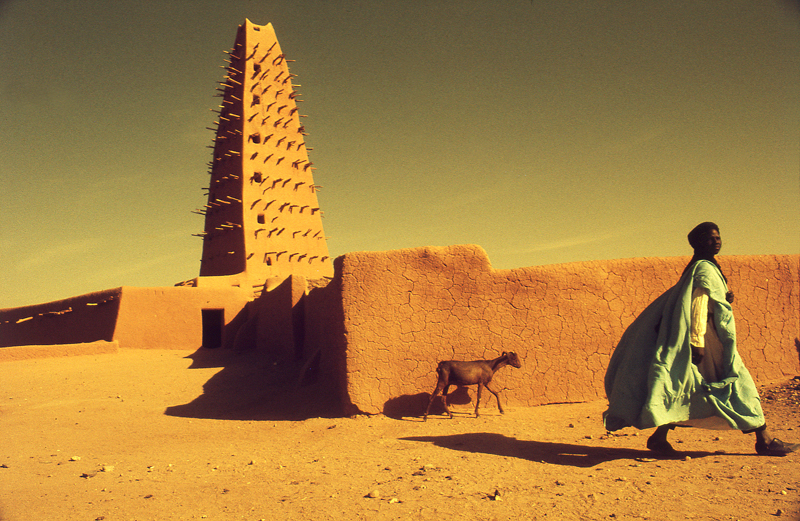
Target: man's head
[{"x": 705, "y": 239}]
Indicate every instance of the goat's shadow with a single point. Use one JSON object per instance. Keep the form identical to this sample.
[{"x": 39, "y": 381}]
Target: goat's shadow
[
  {"x": 547, "y": 452},
  {"x": 252, "y": 387},
  {"x": 414, "y": 405}
]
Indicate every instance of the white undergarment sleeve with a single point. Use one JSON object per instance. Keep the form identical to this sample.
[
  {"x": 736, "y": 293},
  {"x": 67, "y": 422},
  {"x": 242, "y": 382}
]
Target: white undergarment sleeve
[{"x": 699, "y": 317}]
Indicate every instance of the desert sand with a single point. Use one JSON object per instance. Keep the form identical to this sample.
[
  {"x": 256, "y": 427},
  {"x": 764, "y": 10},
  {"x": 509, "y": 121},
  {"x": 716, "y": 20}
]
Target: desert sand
[{"x": 168, "y": 435}]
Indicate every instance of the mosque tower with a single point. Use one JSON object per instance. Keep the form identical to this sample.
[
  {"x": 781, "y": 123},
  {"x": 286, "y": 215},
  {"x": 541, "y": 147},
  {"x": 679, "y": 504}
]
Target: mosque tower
[{"x": 262, "y": 218}]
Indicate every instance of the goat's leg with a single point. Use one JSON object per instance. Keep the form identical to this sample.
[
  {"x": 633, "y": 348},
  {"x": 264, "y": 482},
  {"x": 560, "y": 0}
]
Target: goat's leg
[
  {"x": 435, "y": 393},
  {"x": 444, "y": 401},
  {"x": 496, "y": 395},
  {"x": 478, "y": 398}
]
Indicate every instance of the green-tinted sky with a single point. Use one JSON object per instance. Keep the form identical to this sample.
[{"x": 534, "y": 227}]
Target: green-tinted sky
[{"x": 544, "y": 131}]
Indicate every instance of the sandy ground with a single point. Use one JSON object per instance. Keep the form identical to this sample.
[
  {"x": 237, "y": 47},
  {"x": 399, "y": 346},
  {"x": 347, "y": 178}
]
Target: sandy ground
[{"x": 164, "y": 435}]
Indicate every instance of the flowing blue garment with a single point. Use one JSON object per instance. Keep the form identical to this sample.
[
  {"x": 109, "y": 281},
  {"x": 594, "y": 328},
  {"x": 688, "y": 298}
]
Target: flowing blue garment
[{"x": 651, "y": 381}]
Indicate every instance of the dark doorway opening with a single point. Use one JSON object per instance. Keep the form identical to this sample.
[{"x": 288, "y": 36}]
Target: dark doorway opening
[{"x": 213, "y": 324}]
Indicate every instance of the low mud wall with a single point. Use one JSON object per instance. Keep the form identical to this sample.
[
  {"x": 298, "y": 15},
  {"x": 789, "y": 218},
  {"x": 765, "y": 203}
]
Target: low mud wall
[
  {"x": 171, "y": 317},
  {"x": 83, "y": 319},
  {"x": 141, "y": 318},
  {"x": 404, "y": 310}
]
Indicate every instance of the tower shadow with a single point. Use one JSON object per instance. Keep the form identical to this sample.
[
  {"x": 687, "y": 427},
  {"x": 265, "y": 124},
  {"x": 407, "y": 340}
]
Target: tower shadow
[{"x": 254, "y": 388}]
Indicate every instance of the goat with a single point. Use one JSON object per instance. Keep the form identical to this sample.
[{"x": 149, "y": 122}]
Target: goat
[{"x": 454, "y": 372}]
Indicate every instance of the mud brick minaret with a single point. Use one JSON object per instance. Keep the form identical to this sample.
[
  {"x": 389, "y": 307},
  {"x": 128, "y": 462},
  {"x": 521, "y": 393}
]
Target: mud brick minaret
[{"x": 262, "y": 218}]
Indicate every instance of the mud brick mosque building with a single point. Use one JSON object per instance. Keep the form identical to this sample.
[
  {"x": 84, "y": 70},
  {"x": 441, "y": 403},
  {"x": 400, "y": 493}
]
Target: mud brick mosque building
[{"x": 374, "y": 324}]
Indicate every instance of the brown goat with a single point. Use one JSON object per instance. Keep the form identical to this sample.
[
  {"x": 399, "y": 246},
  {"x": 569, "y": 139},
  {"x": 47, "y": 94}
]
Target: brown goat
[{"x": 454, "y": 372}]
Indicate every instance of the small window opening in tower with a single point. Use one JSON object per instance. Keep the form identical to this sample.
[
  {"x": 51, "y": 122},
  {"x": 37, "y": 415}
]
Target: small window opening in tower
[
  {"x": 261, "y": 219},
  {"x": 255, "y": 138},
  {"x": 257, "y": 177},
  {"x": 257, "y": 67},
  {"x": 256, "y": 100},
  {"x": 268, "y": 261}
]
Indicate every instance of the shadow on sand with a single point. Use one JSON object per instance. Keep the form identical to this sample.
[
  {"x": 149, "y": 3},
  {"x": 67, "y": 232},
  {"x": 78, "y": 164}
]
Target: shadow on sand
[
  {"x": 251, "y": 387},
  {"x": 413, "y": 405},
  {"x": 546, "y": 452}
]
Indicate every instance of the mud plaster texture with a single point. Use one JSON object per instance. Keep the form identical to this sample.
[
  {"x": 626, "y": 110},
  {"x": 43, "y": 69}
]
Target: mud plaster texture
[
  {"x": 262, "y": 217},
  {"x": 404, "y": 310},
  {"x": 143, "y": 318}
]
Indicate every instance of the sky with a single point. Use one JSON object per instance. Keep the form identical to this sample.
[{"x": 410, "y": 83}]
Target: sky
[{"x": 545, "y": 132}]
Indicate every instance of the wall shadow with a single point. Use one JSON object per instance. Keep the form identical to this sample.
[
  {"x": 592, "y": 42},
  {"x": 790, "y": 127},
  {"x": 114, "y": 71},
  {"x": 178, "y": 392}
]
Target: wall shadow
[
  {"x": 252, "y": 387},
  {"x": 547, "y": 452}
]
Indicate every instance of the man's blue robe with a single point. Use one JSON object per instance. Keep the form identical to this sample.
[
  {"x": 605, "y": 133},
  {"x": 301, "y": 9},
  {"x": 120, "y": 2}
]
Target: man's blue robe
[{"x": 651, "y": 381}]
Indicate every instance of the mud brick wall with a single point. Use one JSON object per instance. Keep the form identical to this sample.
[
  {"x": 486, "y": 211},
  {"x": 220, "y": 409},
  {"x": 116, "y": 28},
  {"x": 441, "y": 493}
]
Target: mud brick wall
[
  {"x": 404, "y": 310},
  {"x": 82, "y": 319},
  {"x": 143, "y": 318}
]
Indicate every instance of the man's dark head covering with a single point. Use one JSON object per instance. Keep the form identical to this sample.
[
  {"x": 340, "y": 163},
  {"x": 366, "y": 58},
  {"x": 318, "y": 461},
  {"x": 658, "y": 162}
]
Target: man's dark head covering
[
  {"x": 696, "y": 235},
  {"x": 695, "y": 239}
]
